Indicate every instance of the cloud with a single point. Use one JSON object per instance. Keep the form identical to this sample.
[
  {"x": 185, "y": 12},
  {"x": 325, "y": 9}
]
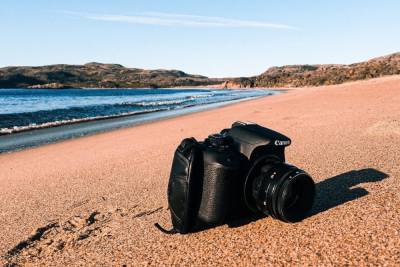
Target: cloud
[{"x": 169, "y": 19}]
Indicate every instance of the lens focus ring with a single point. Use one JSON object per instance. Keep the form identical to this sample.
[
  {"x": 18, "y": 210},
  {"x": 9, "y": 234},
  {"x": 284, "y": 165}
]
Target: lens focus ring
[{"x": 283, "y": 191}]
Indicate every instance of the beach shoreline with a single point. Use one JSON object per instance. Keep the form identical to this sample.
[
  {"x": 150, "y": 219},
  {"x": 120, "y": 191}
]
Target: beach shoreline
[
  {"x": 346, "y": 136},
  {"x": 56, "y": 132}
]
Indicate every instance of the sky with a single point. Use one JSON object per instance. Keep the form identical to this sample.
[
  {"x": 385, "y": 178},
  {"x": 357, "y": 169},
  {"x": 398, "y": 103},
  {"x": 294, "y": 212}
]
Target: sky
[{"x": 216, "y": 38}]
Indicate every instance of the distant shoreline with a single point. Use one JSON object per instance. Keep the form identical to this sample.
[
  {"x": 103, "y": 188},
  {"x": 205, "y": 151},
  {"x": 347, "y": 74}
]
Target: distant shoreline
[{"x": 101, "y": 75}]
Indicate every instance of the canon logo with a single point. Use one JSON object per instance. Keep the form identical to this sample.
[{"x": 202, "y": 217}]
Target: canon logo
[{"x": 282, "y": 143}]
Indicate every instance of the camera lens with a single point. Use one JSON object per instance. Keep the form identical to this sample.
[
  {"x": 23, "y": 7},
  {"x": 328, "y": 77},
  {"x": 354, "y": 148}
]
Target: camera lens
[{"x": 280, "y": 190}]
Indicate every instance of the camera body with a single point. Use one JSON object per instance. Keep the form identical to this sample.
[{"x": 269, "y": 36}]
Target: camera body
[
  {"x": 227, "y": 158},
  {"x": 240, "y": 170}
]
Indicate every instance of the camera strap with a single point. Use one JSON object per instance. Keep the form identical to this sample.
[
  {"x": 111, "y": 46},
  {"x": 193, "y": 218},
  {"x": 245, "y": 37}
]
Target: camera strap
[
  {"x": 181, "y": 188},
  {"x": 171, "y": 231}
]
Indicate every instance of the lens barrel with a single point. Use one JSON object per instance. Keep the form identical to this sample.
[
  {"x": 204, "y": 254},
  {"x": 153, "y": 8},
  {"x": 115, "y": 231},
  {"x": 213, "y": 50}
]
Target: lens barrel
[{"x": 280, "y": 190}]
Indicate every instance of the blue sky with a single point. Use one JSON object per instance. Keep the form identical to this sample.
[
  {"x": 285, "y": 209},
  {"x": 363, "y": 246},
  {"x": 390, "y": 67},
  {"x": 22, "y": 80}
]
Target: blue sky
[{"x": 214, "y": 38}]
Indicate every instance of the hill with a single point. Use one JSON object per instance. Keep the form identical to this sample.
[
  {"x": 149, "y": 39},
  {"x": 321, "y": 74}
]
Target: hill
[
  {"x": 95, "y": 75},
  {"x": 316, "y": 75},
  {"x": 98, "y": 75}
]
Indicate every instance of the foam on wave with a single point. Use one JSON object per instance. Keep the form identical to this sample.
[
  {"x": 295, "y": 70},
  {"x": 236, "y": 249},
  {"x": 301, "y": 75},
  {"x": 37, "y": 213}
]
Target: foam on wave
[{"x": 33, "y": 126}]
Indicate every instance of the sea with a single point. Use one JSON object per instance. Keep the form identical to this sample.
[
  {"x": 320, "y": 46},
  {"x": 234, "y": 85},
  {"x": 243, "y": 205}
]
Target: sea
[
  {"x": 72, "y": 112},
  {"x": 24, "y": 109}
]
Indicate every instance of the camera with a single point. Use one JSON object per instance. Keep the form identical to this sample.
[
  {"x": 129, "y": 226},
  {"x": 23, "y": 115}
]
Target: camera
[{"x": 238, "y": 172}]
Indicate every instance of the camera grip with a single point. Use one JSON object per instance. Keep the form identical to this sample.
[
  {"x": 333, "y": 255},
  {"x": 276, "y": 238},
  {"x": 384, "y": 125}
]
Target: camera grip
[{"x": 220, "y": 172}]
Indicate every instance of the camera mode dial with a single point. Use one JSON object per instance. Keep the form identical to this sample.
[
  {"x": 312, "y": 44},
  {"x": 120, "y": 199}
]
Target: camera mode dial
[{"x": 220, "y": 140}]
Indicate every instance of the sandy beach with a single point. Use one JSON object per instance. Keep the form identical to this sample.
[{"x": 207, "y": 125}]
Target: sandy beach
[{"x": 94, "y": 200}]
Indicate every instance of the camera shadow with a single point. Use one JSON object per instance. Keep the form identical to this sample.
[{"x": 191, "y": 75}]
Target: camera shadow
[
  {"x": 245, "y": 219},
  {"x": 331, "y": 192},
  {"x": 339, "y": 189}
]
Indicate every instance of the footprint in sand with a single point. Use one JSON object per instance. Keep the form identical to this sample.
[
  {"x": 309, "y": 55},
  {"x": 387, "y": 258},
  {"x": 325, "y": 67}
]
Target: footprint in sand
[{"x": 76, "y": 231}]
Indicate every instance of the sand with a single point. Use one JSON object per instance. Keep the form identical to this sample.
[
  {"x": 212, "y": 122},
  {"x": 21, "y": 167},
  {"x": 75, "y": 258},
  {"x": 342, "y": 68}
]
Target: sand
[{"x": 94, "y": 200}]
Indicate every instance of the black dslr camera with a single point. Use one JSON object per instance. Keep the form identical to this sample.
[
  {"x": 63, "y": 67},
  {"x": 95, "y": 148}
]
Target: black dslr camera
[{"x": 238, "y": 172}]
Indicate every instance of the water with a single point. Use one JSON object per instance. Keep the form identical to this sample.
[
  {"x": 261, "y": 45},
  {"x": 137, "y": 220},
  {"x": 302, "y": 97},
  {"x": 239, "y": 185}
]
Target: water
[{"x": 28, "y": 109}]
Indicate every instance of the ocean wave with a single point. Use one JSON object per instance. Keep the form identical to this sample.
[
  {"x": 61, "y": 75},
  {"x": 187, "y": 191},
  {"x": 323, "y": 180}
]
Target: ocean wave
[
  {"x": 20, "y": 122},
  {"x": 260, "y": 93},
  {"x": 34, "y": 126},
  {"x": 155, "y": 103},
  {"x": 166, "y": 102},
  {"x": 193, "y": 97}
]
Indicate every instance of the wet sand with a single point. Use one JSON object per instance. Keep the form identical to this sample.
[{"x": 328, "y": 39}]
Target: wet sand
[{"x": 94, "y": 200}]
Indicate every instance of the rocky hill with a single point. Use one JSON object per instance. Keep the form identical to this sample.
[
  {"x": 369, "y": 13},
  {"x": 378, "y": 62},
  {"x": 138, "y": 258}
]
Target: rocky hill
[
  {"x": 315, "y": 75},
  {"x": 96, "y": 75},
  {"x": 242, "y": 82}
]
